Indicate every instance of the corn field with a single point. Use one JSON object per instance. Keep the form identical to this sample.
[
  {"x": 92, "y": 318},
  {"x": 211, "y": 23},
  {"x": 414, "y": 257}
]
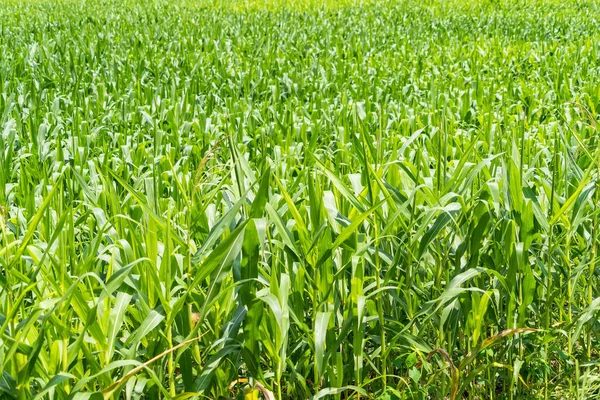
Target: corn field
[{"x": 255, "y": 199}]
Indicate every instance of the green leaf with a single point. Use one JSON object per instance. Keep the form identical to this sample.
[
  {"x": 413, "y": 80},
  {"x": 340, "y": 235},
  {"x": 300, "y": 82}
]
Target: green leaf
[
  {"x": 152, "y": 320},
  {"x": 321, "y": 328}
]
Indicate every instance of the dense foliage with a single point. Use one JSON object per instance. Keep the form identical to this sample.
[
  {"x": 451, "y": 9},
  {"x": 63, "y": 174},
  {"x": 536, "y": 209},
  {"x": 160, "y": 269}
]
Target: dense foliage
[{"x": 387, "y": 200}]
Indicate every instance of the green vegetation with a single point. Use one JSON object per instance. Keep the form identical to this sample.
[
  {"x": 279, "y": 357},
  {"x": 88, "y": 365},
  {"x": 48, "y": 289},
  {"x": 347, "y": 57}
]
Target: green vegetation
[{"x": 391, "y": 200}]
